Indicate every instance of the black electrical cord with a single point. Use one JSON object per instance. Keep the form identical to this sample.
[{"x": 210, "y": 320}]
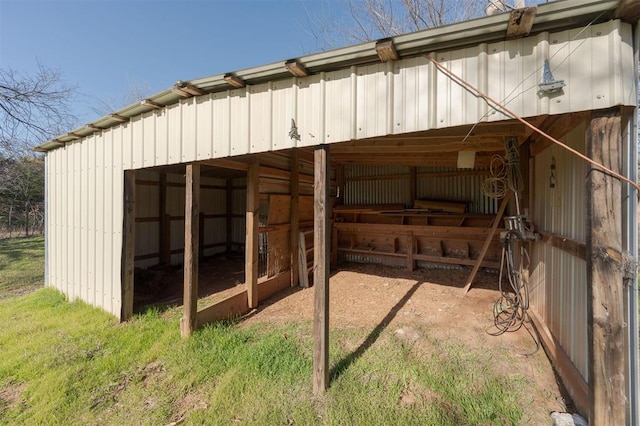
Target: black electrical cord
[{"x": 510, "y": 309}]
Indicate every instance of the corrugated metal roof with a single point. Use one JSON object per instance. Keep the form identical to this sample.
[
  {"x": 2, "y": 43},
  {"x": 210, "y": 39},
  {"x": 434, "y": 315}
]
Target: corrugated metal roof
[{"x": 554, "y": 16}]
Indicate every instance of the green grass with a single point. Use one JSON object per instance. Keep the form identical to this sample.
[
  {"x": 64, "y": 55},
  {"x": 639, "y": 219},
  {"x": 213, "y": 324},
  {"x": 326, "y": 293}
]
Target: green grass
[
  {"x": 21, "y": 265},
  {"x": 68, "y": 363}
]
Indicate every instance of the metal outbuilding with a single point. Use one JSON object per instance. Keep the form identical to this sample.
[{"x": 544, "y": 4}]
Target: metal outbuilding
[{"x": 249, "y": 160}]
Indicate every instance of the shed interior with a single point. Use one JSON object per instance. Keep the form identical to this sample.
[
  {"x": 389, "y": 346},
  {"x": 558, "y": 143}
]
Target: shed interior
[{"x": 419, "y": 200}]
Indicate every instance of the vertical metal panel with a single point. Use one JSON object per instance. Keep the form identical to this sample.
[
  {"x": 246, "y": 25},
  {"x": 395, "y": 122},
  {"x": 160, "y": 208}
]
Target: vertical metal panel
[
  {"x": 137, "y": 142},
  {"x": 260, "y": 128},
  {"x": 309, "y": 114},
  {"x": 376, "y": 191},
  {"x": 559, "y": 282},
  {"x": 411, "y": 95},
  {"x": 372, "y": 107},
  {"x": 149, "y": 139},
  {"x": 283, "y": 111},
  {"x": 204, "y": 129},
  {"x": 84, "y": 219},
  {"x": 162, "y": 138},
  {"x": 457, "y": 188},
  {"x": 174, "y": 130},
  {"x": 188, "y": 125},
  {"x": 239, "y": 121},
  {"x": 221, "y": 124},
  {"x": 338, "y": 106}
]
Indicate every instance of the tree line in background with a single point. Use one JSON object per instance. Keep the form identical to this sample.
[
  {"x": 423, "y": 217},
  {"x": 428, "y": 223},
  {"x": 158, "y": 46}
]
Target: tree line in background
[{"x": 33, "y": 109}]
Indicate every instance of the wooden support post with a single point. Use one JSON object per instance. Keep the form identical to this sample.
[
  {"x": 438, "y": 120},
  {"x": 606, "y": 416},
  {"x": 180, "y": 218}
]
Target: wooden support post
[
  {"x": 295, "y": 222},
  {"x": 321, "y": 269},
  {"x": 165, "y": 222},
  {"x": 410, "y": 262},
  {"x": 251, "y": 240},
  {"x": 487, "y": 242},
  {"x": 188, "y": 323},
  {"x": 605, "y": 306},
  {"x": 128, "y": 244},
  {"x": 229, "y": 222}
]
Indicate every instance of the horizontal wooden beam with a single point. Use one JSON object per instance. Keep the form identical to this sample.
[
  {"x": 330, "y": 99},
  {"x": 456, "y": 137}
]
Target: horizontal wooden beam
[
  {"x": 568, "y": 245},
  {"x": 420, "y": 146},
  {"x": 226, "y": 164},
  {"x": 557, "y": 127}
]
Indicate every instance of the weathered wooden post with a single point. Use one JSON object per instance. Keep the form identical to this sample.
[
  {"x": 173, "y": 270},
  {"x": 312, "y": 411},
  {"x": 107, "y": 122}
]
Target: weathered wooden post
[
  {"x": 605, "y": 310},
  {"x": 321, "y": 268}
]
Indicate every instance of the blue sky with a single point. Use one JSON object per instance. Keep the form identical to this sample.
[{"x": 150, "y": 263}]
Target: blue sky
[{"x": 105, "y": 48}]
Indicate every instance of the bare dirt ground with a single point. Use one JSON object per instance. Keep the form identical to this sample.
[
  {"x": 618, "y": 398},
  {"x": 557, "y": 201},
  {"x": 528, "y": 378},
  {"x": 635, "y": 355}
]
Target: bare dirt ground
[{"x": 370, "y": 296}]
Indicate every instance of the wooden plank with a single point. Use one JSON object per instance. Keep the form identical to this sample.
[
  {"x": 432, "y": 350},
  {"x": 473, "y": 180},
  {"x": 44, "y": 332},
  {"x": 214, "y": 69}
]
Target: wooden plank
[
  {"x": 557, "y": 128},
  {"x": 487, "y": 242},
  {"x": 302, "y": 261},
  {"x": 605, "y": 306},
  {"x": 201, "y": 235},
  {"x": 321, "y": 269},
  {"x": 294, "y": 217},
  {"x": 227, "y": 164},
  {"x": 566, "y": 244},
  {"x": 520, "y": 22},
  {"x": 272, "y": 286},
  {"x": 440, "y": 206},
  {"x": 571, "y": 377},
  {"x": 231, "y": 307},
  {"x": 410, "y": 251},
  {"x": 279, "y": 209},
  {"x": 189, "y": 320},
  {"x": 128, "y": 244},
  {"x": 252, "y": 222},
  {"x": 446, "y": 232},
  {"x": 305, "y": 208}
]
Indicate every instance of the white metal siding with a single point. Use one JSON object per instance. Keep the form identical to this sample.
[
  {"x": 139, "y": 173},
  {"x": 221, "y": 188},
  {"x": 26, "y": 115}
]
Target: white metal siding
[
  {"x": 559, "y": 279},
  {"x": 86, "y": 204}
]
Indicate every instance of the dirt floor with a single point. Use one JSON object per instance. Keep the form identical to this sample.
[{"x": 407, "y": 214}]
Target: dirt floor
[
  {"x": 367, "y": 296},
  {"x": 374, "y": 296}
]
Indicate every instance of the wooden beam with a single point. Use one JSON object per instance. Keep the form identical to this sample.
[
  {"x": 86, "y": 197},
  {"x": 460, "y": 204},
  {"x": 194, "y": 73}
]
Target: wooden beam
[
  {"x": 295, "y": 221},
  {"x": 321, "y": 255},
  {"x": 226, "y": 164},
  {"x": 557, "y": 127},
  {"x": 452, "y": 145},
  {"x": 605, "y": 306},
  {"x": 628, "y": 11},
  {"x": 410, "y": 253},
  {"x": 188, "y": 323},
  {"x": 252, "y": 222},
  {"x": 566, "y": 244},
  {"x": 487, "y": 242},
  {"x": 413, "y": 181},
  {"x": 128, "y": 244}
]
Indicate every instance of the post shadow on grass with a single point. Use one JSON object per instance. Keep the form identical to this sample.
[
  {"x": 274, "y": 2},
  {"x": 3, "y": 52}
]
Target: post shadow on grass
[{"x": 344, "y": 364}]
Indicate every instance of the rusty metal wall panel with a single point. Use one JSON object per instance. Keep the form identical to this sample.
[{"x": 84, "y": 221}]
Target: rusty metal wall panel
[
  {"x": 396, "y": 190},
  {"x": 456, "y": 188},
  {"x": 376, "y": 191},
  {"x": 558, "y": 279}
]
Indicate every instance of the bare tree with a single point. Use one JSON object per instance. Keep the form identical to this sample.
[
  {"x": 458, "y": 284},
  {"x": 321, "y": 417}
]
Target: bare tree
[
  {"x": 138, "y": 90},
  {"x": 364, "y": 20},
  {"x": 33, "y": 108}
]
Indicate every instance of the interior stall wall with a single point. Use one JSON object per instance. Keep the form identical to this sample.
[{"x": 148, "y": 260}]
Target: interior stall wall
[
  {"x": 558, "y": 278},
  {"x": 390, "y": 185},
  {"x": 213, "y": 211}
]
